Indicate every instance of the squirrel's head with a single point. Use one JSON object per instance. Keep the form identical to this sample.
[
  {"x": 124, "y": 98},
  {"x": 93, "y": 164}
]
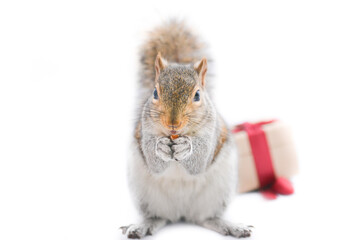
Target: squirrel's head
[{"x": 178, "y": 101}]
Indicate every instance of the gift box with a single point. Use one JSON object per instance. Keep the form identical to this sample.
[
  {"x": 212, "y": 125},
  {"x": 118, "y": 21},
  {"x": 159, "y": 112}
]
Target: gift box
[{"x": 267, "y": 157}]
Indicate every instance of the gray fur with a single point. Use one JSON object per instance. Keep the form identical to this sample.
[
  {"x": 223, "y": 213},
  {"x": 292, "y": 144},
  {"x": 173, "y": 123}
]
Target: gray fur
[
  {"x": 181, "y": 179},
  {"x": 155, "y": 151}
]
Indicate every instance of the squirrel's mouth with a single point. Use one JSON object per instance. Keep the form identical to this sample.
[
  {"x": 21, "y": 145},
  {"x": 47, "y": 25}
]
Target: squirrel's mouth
[{"x": 174, "y": 132}]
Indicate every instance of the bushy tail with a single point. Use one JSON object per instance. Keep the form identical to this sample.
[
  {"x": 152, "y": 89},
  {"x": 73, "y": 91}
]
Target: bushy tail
[{"x": 176, "y": 43}]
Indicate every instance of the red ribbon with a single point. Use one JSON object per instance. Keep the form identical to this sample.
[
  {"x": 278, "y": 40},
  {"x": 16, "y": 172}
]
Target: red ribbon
[{"x": 270, "y": 185}]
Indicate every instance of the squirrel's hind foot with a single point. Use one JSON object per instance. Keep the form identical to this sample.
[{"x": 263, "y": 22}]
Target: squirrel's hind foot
[
  {"x": 148, "y": 227},
  {"x": 226, "y": 228}
]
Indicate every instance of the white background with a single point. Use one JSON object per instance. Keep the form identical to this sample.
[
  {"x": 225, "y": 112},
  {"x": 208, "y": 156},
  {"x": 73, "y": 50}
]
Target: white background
[{"x": 67, "y": 88}]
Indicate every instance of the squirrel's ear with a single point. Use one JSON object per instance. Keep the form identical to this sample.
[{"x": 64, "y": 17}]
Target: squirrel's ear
[
  {"x": 160, "y": 64},
  {"x": 201, "y": 68}
]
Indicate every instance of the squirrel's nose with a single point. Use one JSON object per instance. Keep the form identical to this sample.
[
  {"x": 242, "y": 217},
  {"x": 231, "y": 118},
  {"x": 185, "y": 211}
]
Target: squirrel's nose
[{"x": 174, "y": 125}]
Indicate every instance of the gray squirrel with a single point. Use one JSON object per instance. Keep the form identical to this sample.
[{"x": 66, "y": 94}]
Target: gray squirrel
[{"x": 184, "y": 163}]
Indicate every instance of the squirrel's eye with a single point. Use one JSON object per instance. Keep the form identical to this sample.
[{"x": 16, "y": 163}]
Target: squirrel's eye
[
  {"x": 156, "y": 96},
  {"x": 197, "y": 96}
]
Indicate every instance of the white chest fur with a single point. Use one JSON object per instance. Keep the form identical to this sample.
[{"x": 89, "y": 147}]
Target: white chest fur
[{"x": 175, "y": 193}]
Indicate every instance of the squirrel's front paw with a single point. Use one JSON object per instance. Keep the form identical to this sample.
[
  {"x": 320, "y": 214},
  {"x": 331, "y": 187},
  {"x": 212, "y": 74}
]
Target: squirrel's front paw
[
  {"x": 163, "y": 149},
  {"x": 182, "y": 148}
]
